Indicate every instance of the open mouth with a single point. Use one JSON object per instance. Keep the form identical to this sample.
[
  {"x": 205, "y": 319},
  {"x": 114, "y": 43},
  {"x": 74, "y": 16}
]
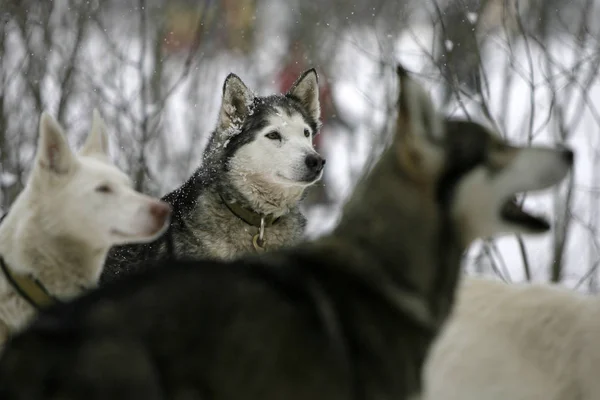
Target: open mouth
[{"x": 512, "y": 212}]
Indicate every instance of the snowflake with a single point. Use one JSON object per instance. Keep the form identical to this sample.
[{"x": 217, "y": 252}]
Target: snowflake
[
  {"x": 472, "y": 17},
  {"x": 7, "y": 179}
]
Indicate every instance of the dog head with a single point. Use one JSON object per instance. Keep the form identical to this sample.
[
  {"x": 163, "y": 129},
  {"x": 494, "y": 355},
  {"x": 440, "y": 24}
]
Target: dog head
[
  {"x": 267, "y": 141},
  {"x": 471, "y": 171},
  {"x": 86, "y": 197}
]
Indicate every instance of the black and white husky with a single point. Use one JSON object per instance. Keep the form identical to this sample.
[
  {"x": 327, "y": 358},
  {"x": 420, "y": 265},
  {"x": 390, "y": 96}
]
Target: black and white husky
[{"x": 245, "y": 196}]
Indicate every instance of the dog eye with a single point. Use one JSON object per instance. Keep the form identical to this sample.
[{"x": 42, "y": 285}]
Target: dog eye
[
  {"x": 103, "y": 189},
  {"x": 306, "y": 133},
  {"x": 273, "y": 135}
]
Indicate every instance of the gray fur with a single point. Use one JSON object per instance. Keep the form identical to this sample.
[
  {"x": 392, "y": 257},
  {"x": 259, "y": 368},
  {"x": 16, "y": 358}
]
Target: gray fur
[
  {"x": 202, "y": 226},
  {"x": 350, "y": 316}
]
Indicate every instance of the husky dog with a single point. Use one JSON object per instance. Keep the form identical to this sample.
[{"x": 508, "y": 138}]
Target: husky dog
[
  {"x": 54, "y": 239},
  {"x": 244, "y": 198},
  {"x": 351, "y": 315},
  {"x": 518, "y": 342}
]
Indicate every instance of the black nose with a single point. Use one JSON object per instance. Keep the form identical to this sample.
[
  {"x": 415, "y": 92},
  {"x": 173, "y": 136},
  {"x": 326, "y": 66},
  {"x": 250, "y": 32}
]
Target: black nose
[
  {"x": 569, "y": 156},
  {"x": 314, "y": 162}
]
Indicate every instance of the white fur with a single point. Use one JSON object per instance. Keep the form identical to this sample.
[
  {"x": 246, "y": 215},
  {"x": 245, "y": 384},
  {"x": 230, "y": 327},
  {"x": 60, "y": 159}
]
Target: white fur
[
  {"x": 518, "y": 342},
  {"x": 279, "y": 161},
  {"x": 72, "y": 210},
  {"x": 267, "y": 168},
  {"x": 480, "y": 194},
  {"x": 271, "y": 174}
]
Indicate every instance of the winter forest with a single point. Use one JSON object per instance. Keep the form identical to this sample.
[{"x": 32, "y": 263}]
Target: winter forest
[{"x": 155, "y": 69}]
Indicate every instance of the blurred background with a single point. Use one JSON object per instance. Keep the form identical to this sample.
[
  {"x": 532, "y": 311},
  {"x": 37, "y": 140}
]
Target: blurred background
[{"x": 155, "y": 69}]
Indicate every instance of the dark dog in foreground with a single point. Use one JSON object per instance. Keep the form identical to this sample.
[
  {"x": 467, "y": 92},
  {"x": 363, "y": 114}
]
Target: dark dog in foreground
[{"x": 349, "y": 316}]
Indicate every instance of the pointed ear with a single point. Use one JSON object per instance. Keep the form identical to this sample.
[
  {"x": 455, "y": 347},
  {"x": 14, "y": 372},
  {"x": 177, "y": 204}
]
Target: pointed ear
[
  {"x": 419, "y": 130},
  {"x": 236, "y": 104},
  {"x": 97, "y": 140},
  {"x": 417, "y": 116},
  {"x": 53, "y": 152},
  {"x": 306, "y": 90}
]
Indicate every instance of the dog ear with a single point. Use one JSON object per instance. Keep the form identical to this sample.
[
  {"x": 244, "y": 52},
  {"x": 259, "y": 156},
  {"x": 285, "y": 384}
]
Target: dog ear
[
  {"x": 306, "y": 90},
  {"x": 235, "y": 106},
  {"x": 417, "y": 116},
  {"x": 419, "y": 130},
  {"x": 53, "y": 152},
  {"x": 97, "y": 140}
]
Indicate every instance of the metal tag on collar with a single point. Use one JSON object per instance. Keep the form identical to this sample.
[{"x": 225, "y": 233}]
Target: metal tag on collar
[{"x": 259, "y": 239}]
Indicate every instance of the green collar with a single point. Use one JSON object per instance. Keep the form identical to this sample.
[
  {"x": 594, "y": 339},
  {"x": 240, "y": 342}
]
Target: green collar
[
  {"x": 28, "y": 288},
  {"x": 249, "y": 216}
]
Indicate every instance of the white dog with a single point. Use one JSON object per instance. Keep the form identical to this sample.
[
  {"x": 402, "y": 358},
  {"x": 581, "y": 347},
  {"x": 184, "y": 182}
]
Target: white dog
[
  {"x": 517, "y": 342},
  {"x": 55, "y": 237}
]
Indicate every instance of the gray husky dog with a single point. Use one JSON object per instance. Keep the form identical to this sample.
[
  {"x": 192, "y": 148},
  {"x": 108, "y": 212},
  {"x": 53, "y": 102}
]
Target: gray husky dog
[
  {"x": 350, "y": 316},
  {"x": 245, "y": 196}
]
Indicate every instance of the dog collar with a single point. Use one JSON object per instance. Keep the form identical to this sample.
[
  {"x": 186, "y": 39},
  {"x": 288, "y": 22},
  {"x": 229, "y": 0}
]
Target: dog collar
[
  {"x": 261, "y": 221},
  {"x": 28, "y": 288},
  {"x": 249, "y": 216}
]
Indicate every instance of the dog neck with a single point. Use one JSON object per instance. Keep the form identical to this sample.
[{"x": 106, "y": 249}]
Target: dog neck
[
  {"x": 261, "y": 197},
  {"x": 249, "y": 216},
  {"x": 409, "y": 239},
  {"x": 63, "y": 266},
  {"x": 29, "y": 288}
]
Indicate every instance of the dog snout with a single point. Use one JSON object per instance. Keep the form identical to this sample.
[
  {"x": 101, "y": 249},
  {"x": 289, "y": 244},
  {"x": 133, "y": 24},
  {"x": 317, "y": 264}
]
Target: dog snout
[
  {"x": 160, "y": 211},
  {"x": 314, "y": 162}
]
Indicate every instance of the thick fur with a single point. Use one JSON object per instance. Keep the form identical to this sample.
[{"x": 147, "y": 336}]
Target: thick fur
[
  {"x": 245, "y": 163},
  {"x": 73, "y": 208},
  {"x": 349, "y": 316},
  {"x": 518, "y": 342}
]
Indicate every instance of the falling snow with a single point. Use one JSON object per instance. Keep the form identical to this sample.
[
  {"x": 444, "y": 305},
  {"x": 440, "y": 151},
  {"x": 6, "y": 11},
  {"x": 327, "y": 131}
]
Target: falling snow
[
  {"x": 472, "y": 17},
  {"x": 449, "y": 45}
]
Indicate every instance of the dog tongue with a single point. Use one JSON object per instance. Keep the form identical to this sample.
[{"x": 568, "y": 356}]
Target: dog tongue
[{"x": 513, "y": 212}]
